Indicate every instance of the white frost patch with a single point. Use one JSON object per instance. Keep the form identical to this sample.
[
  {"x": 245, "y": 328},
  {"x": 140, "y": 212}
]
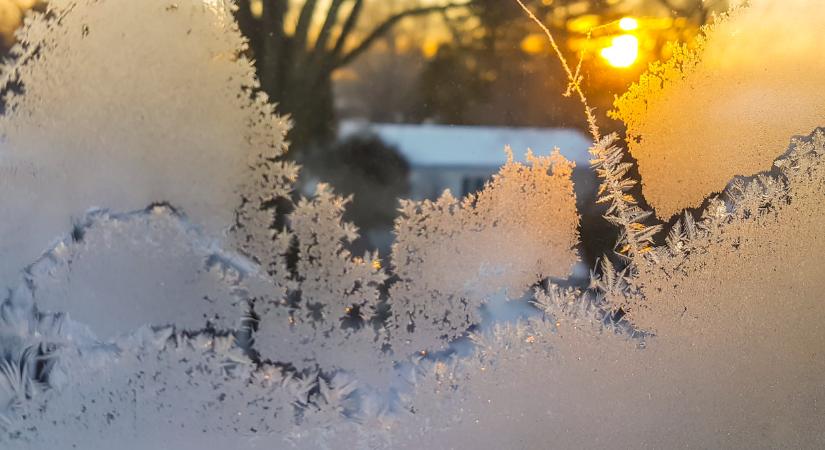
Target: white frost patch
[
  {"x": 111, "y": 126},
  {"x": 116, "y": 273}
]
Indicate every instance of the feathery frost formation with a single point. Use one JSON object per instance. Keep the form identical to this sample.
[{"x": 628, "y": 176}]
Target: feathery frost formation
[
  {"x": 717, "y": 346},
  {"x": 202, "y": 318},
  {"x": 451, "y": 255},
  {"x": 122, "y": 104},
  {"x": 202, "y": 321},
  {"x": 727, "y": 107}
]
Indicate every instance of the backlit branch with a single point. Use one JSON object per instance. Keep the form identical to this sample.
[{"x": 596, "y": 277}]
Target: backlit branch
[{"x": 383, "y": 28}]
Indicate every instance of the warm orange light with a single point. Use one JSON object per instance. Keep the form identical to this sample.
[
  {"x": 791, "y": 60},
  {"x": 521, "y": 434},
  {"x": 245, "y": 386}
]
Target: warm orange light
[
  {"x": 628, "y": 24},
  {"x": 10, "y": 19},
  {"x": 583, "y": 24},
  {"x": 623, "y": 51},
  {"x": 430, "y": 48},
  {"x": 533, "y": 44},
  {"x": 256, "y": 8}
]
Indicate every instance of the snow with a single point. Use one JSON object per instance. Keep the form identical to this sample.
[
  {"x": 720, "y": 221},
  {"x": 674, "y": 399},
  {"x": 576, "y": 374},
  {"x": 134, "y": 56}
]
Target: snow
[{"x": 429, "y": 145}]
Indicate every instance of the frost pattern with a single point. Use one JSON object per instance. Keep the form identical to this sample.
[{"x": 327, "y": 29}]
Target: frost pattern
[
  {"x": 726, "y": 108},
  {"x": 189, "y": 387},
  {"x": 452, "y": 255},
  {"x": 191, "y": 390},
  {"x": 92, "y": 333},
  {"x": 338, "y": 302},
  {"x": 116, "y": 273},
  {"x": 707, "y": 340},
  {"x": 716, "y": 347},
  {"x": 99, "y": 126},
  {"x": 517, "y": 231},
  {"x": 327, "y": 315}
]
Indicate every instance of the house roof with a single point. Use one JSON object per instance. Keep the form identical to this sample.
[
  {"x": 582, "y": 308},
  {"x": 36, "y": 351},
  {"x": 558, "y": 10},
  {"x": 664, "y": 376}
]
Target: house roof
[{"x": 478, "y": 146}]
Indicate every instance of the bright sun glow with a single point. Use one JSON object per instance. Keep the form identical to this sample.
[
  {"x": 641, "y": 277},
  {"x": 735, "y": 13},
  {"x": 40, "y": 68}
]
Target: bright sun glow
[
  {"x": 430, "y": 48},
  {"x": 628, "y": 24},
  {"x": 622, "y": 52},
  {"x": 256, "y": 7},
  {"x": 533, "y": 44}
]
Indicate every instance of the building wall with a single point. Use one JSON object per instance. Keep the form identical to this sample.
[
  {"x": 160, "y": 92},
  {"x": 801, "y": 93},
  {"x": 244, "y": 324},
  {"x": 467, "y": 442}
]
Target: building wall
[{"x": 430, "y": 182}]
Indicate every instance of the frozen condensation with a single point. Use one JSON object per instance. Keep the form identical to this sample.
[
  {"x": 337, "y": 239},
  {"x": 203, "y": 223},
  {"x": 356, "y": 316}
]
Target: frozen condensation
[
  {"x": 116, "y": 273},
  {"x": 165, "y": 389},
  {"x": 123, "y": 113},
  {"x": 327, "y": 314},
  {"x": 728, "y": 107},
  {"x": 143, "y": 330},
  {"x": 452, "y": 255},
  {"x": 720, "y": 347}
]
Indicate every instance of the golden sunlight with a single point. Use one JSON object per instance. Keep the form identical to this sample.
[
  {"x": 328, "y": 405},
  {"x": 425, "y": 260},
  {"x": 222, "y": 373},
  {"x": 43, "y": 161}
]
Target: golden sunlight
[
  {"x": 430, "y": 48},
  {"x": 11, "y": 16},
  {"x": 628, "y": 24},
  {"x": 533, "y": 43},
  {"x": 623, "y": 51},
  {"x": 256, "y": 8},
  {"x": 583, "y": 24}
]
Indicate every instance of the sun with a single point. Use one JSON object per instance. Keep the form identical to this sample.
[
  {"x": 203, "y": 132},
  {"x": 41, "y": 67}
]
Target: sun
[
  {"x": 628, "y": 24},
  {"x": 623, "y": 51}
]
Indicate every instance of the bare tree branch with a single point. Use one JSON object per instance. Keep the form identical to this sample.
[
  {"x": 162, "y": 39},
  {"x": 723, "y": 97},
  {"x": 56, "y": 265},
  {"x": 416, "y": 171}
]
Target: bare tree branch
[
  {"x": 326, "y": 29},
  {"x": 349, "y": 25},
  {"x": 272, "y": 39},
  {"x": 386, "y": 26},
  {"x": 301, "y": 35}
]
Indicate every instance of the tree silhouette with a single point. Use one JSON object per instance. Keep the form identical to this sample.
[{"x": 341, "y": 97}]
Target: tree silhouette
[{"x": 295, "y": 66}]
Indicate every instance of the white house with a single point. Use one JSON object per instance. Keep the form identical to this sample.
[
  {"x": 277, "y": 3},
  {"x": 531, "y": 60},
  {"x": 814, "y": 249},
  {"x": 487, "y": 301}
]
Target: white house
[{"x": 463, "y": 158}]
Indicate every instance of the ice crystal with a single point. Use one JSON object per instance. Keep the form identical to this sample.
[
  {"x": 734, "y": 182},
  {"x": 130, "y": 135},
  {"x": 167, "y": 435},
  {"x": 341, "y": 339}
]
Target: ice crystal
[
  {"x": 97, "y": 118},
  {"x": 189, "y": 390},
  {"x": 491, "y": 240},
  {"x": 727, "y": 107},
  {"x": 117, "y": 272},
  {"x": 452, "y": 255},
  {"x": 150, "y": 329},
  {"x": 326, "y": 316}
]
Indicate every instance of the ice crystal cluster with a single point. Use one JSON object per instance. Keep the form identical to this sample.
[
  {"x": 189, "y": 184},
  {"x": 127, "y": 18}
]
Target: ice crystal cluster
[
  {"x": 727, "y": 107},
  {"x": 99, "y": 117},
  {"x": 153, "y": 289},
  {"x": 453, "y": 254},
  {"x": 116, "y": 273},
  {"x": 166, "y": 291},
  {"x": 719, "y": 345}
]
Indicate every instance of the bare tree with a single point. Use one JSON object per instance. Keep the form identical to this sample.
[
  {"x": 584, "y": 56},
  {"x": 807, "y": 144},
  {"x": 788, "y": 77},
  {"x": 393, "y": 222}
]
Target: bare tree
[{"x": 295, "y": 67}]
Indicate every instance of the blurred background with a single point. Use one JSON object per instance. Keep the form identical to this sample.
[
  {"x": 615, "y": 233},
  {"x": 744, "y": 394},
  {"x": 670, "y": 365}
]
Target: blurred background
[{"x": 406, "y": 98}]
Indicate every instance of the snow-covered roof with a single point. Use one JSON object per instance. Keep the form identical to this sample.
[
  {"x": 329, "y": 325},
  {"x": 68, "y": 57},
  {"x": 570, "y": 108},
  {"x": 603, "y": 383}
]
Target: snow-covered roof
[{"x": 453, "y": 145}]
